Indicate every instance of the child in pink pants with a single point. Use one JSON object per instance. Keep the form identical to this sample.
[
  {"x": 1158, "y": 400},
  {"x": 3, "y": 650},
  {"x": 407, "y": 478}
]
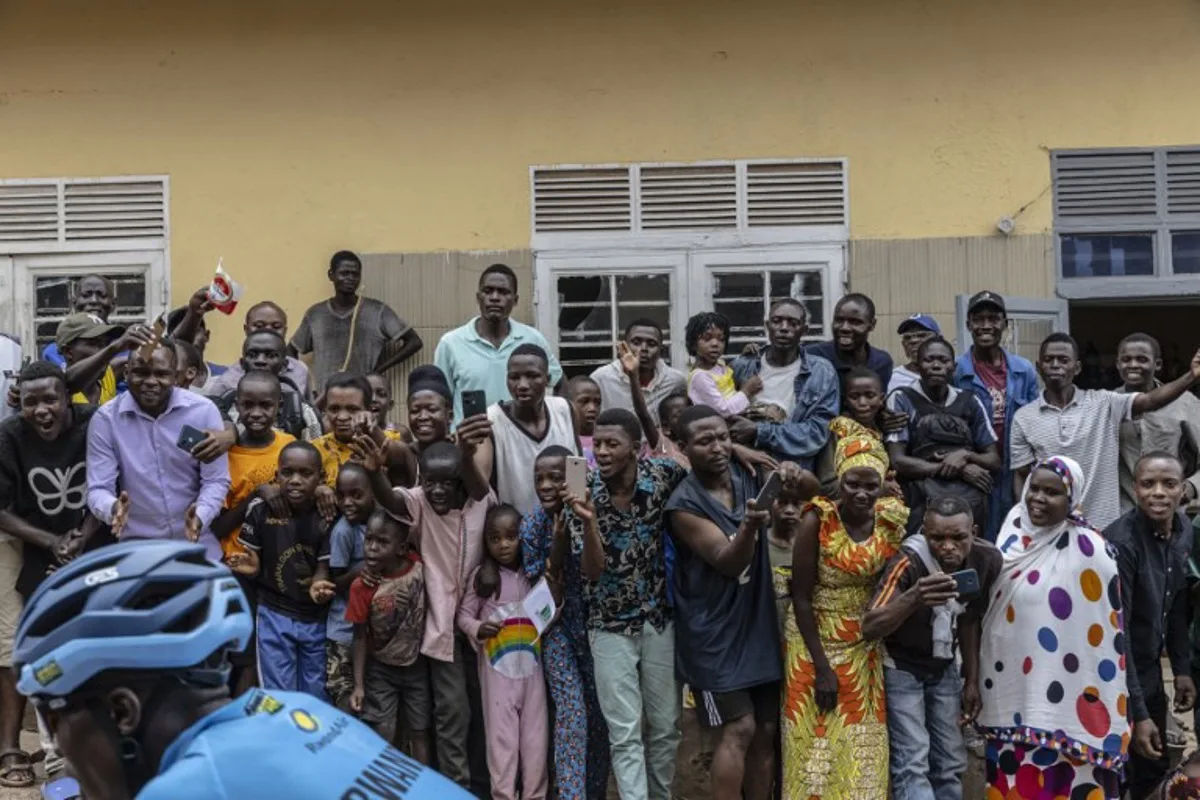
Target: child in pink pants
[{"x": 514, "y": 708}]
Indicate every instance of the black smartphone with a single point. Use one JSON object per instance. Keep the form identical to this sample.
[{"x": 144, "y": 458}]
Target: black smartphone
[
  {"x": 769, "y": 491},
  {"x": 189, "y": 437},
  {"x": 967, "y": 582},
  {"x": 474, "y": 403}
]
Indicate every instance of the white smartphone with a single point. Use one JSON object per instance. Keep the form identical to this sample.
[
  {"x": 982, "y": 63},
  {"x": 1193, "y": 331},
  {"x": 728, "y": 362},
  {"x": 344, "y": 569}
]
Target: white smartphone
[{"x": 577, "y": 476}]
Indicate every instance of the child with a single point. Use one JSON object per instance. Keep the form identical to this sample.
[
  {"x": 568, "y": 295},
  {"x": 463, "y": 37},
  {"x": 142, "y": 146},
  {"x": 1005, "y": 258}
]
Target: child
[
  {"x": 862, "y": 402},
  {"x": 387, "y": 607},
  {"x": 710, "y": 383},
  {"x": 447, "y": 511},
  {"x": 348, "y": 400},
  {"x": 584, "y": 396},
  {"x": 382, "y": 405},
  {"x": 667, "y": 446},
  {"x": 580, "y": 733},
  {"x": 282, "y": 553},
  {"x": 514, "y": 708},
  {"x": 356, "y": 501}
]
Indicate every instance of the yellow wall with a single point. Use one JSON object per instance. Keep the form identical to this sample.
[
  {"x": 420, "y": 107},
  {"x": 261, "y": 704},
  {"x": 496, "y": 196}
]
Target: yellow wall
[{"x": 291, "y": 129}]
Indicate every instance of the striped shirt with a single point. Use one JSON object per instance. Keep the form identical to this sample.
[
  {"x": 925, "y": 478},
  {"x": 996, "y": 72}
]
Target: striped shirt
[{"x": 1087, "y": 430}]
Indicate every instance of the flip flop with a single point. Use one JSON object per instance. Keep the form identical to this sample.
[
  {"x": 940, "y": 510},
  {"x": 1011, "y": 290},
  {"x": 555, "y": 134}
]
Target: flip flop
[{"x": 16, "y": 760}]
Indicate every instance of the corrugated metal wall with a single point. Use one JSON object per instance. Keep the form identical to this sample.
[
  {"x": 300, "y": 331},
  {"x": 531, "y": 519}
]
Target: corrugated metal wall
[
  {"x": 435, "y": 292},
  {"x": 906, "y": 276}
]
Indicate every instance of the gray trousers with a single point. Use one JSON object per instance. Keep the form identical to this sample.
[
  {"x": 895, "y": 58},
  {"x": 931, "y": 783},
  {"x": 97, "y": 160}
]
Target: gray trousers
[{"x": 452, "y": 714}]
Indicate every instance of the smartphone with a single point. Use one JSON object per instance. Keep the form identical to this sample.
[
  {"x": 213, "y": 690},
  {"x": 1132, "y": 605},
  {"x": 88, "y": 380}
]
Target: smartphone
[
  {"x": 967, "y": 582},
  {"x": 768, "y": 493},
  {"x": 474, "y": 403},
  {"x": 577, "y": 476},
  {"x": 189, "y": 437}
]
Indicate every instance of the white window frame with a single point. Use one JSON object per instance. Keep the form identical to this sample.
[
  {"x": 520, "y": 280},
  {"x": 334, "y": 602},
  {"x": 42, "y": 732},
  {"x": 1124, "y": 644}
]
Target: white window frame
[{"x": 27, "y": 269}]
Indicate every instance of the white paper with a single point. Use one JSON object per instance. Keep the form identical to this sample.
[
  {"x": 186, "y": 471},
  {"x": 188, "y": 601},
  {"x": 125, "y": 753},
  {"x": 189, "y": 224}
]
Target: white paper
[{"x": 539, "y": 605}]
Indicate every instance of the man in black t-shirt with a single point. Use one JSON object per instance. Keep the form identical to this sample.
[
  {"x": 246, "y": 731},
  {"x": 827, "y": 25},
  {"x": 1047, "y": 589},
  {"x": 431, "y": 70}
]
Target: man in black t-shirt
[
  {"x": 922, "y": 618},
  {"x": 43, "y": 508}
]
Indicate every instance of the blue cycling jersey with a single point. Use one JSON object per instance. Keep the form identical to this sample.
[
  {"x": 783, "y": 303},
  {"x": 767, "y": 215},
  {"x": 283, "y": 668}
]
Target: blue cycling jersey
[{"x": 288, "y": 744}]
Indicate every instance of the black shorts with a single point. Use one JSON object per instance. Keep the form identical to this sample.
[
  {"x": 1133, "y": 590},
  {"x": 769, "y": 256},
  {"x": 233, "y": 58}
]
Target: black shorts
[{"x": 716, "y": 709}]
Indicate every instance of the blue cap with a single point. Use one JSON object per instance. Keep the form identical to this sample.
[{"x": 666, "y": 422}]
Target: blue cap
[{"x": 923, "y": 321}]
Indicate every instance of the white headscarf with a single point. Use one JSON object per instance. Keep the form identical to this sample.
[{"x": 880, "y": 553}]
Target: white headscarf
[{"x": 1052, "y": 664}]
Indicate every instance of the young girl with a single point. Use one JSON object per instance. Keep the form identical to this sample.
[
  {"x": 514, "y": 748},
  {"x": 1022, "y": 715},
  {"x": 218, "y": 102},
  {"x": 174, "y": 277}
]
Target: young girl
[
  {"x": 514, "y": 708},
  {"x": 710, "y": 383},
  {"x": 584, "y": 395}
]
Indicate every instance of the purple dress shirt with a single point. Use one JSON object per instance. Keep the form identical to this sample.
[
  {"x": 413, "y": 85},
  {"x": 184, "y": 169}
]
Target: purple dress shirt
[{"x": 128, "y": 450}]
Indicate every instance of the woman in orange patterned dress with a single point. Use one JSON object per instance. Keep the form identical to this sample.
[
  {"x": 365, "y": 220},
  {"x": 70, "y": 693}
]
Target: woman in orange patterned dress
[{"x": 835, "y": 743}]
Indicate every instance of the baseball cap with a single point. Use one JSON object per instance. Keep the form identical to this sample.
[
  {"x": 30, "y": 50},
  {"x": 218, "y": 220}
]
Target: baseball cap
[
  {"x": 84, "y": 326},
  {"x": 923, "y": 321},
  {"x": 985, "y": 298}
]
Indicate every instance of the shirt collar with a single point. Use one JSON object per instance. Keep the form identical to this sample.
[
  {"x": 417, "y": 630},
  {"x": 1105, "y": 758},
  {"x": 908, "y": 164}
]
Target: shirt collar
[
  {"x": 1043, "y": 403},
  {"x": 642, "y": 485},
  {"x": 129, "y": 406},
  {"x": 803, "y": 359},
  {"x": 1144, "y": 523},
  {"x": 515, "y": 332}
]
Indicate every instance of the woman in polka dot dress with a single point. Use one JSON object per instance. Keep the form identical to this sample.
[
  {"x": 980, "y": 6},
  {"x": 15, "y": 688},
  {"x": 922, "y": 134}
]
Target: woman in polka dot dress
[{"x": 1053, "y": 651}]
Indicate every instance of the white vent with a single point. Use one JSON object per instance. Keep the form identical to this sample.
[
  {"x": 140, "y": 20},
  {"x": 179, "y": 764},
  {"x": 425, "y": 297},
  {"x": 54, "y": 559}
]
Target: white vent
[
  {"x": 795, "y": 194},
  {"x": 1183, "y": 181},
  {"x": 1105, "y": 184},
  {"x": 71, "y": 214},
  {"x": 581, "y": 200},
  {"x": 698, "y": 197},
  {"x": 730, "y": 196}
]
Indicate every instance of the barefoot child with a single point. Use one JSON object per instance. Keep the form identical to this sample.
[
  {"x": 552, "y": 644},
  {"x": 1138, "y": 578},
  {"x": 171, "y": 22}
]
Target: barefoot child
[
  {"x": 387, "y": 607},
  {"x": 710, "y": 383},
  {"x": 514, "y": 709}
]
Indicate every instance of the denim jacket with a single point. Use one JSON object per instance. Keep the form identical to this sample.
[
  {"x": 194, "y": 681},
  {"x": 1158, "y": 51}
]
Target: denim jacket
[
  {"x": 818, "y": 398},
  {"x": 1021, "y": 389}
]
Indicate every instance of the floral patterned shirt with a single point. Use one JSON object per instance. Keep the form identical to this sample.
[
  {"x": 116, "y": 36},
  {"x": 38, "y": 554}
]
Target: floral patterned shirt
[
  {"x": 633, "y": 589},
  {"x": 537, "y": 539}
]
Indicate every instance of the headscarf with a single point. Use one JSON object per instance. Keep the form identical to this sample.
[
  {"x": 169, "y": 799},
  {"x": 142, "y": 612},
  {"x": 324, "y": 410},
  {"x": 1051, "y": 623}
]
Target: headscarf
[
  {"x": 1053, "y": 654},
  {"x": 428, "y": 378},
  {"x": 860, "y": 451}
]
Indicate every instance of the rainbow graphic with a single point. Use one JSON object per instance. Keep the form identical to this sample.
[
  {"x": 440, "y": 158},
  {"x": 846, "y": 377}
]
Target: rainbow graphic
[{"x": 515, "y": 651}]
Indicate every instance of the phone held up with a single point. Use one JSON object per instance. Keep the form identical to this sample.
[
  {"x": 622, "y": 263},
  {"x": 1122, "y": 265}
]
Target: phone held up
[
  {"x": 474, "y": 403},
  {"x": 967, "y": 583},
  {"x": 770, "y": 490},
  {"x": 577, "y": 476}
]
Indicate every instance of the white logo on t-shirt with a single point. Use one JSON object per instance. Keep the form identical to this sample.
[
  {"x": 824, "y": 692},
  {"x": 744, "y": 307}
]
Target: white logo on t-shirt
[{"x": 62, "y": 491}]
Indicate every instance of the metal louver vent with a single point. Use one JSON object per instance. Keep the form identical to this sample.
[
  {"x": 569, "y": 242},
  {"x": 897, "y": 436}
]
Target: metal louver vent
[
  {"x": 579, "y": 200},
  {"x": 29, "y": 212},
  {"x": 694, "y": 197},
  {"x": 795, "y": 194},
  {"x": 1107, "y": 184},
  {"x": 1183, "y": 181},
  {"x": 114, "y": 210}
]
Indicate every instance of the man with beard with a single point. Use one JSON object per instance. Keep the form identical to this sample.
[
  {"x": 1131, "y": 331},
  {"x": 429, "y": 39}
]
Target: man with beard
[
  {"x": 475, "y": 356},
  {"x": 44, "y": 524},
  {"x": 135, "y": 444}
]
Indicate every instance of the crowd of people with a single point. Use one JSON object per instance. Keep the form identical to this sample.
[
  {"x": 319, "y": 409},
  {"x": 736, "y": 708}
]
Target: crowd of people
[{"x": 852, "y": 571}]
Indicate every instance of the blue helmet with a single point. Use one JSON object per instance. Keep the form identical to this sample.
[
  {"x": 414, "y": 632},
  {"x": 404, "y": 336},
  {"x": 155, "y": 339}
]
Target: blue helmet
[{"x": 138, "y": 605}]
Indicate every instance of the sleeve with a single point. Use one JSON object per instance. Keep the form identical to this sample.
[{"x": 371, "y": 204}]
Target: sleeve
[
  {"x": 1179, "y": 623},
  {"x": 358, "y": 602},
  {"x": 214, "y": 476},
  {"x": 1120, "y": 405},
  {"x": 392, "y": 325},
  {"x": 703, "y": 392},
  {"x": 1127, "y": 569},
  {"x": 885, "y": 366},
  {"x": 468, "y": 611},
  {"x": 302, "y": 339},
  {"x": 982, "y": 432},
  {"x": 806, "y": 432},
  {"x": 443, "y": 359},
  {"x": 897, "y": 579},
  {"x": 897, "y": 402},
  {"x": 103, "y": 468},
  {"x": 556, "y": 371},
  {"x": 535, "y": 548},
  {"x": 249, "y": 535},
  {"x": 340, "y": 545},
  {"x": 1020, "y": 451}
]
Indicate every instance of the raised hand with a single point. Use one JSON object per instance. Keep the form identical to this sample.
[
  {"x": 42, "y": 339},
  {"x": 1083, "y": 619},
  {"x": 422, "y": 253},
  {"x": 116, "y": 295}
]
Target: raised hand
[{"x": 629, "y": 359}]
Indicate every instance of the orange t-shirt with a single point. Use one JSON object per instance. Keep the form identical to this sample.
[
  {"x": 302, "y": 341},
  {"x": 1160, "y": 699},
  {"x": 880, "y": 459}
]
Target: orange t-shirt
[{"x": 249, "y": 468}]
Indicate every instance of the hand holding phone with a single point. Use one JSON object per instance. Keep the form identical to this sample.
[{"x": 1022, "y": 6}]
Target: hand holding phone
[
  {"x": 189, "y": 437},
  {"x": 474, "y": 403},
  {"x": 577, "y": 476},
  {"x": 967, "y": 583},
  {"x": 769, "y": 492}
]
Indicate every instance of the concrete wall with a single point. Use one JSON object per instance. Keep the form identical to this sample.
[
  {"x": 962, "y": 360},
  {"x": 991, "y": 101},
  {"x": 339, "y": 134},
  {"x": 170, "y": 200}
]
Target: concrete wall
[{"x": 292, "y": 129}]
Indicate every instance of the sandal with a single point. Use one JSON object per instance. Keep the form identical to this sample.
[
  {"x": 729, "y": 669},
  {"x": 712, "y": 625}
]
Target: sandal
[{"x": 15, "y": 770}]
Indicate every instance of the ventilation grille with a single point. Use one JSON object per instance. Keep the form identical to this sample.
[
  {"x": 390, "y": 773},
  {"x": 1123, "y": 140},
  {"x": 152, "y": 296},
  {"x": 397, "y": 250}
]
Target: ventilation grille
[
  {"x": 1105, "y": 184},
  {"x": 40, "y": 214},
  {"x": 724, "y": 196},
  {"x": 1183, "y": 181}
]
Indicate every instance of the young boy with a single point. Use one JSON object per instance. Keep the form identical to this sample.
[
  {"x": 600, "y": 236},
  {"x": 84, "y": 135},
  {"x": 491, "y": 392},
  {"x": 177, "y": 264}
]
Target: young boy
[
  {"x": 584, "y": 395},
  {"x": 382, "y": 404},
  {"x": 282, "y": 553},
  {"x": 447, "y": 510},
  {"x": 334, "y": 576},
  {"x": 387, "y": 608},
  {"x": 348, "y": 400}
]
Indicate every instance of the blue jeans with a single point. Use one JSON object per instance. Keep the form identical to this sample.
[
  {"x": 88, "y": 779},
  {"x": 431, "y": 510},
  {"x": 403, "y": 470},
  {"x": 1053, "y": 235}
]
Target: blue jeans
[
  {"x": 291, "y": 653},
  {"x": 928, "y": 756}
]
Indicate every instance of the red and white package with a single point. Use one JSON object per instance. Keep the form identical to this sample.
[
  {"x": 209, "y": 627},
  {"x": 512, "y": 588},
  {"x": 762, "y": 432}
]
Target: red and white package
[{"x": 224, "y": 292}]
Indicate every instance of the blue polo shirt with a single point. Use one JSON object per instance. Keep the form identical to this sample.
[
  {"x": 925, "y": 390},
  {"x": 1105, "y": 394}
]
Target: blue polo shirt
[
  {"x": 288, "y": 744},
  {"x": 471, "y": 363}
]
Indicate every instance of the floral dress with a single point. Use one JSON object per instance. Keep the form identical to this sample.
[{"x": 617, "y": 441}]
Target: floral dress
[
  {"x": 580, "y": 737},
  {"x": 843, "y": 753}
]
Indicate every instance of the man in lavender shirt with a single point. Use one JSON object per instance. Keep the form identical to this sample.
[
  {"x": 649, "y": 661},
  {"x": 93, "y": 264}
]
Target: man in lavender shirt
[{"x": 165, "y": 492}]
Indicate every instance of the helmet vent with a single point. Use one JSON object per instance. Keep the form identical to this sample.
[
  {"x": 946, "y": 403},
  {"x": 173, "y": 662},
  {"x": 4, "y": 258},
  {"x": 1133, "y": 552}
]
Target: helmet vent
[
  {"x": 54, "y": 618},
  {"x": 234, "y": 606},
  {"x": 151, "y": 595},
  {"x": 191, "y": 620}
]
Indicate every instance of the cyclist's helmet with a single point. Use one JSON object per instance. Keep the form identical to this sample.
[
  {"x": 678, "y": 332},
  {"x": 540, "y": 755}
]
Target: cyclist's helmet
[{"x": 137, "y": 605}]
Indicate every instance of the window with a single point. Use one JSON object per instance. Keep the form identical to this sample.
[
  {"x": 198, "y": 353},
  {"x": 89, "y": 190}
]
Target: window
[
  {"x": 746, "y": 296},
  {"x": 594, "y": 310},
  {"x": 1131, "y": 213},
  {"x": 55, "y": 298}
]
